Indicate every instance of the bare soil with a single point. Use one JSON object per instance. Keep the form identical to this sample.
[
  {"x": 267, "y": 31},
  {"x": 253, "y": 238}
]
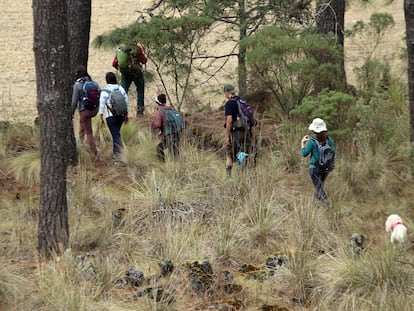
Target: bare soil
[{"x": 18, "y": 85}]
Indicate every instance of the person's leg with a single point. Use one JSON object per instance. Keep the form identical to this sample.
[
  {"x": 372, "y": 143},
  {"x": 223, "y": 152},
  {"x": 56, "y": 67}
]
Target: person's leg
[
  {"x": 140, "y": 85},
  {"x": 86, "y": 123},
  {"x": 81, "y": 127},
  {"x": 317, "y": 181},
  {"x": 114, "y": 125},
  {"x": 160, "y": 150},
  {"x": 231, "y": 152},
  {"x": 126, "y": 81}
]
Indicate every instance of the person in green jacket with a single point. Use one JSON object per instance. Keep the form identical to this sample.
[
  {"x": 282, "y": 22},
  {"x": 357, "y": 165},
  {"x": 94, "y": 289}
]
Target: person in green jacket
[{"x": 310, "y": 146}]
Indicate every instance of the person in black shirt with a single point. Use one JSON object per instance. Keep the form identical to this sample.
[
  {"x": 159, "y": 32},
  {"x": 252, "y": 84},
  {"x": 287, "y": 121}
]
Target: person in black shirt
[{"x": 238, "y": 140}]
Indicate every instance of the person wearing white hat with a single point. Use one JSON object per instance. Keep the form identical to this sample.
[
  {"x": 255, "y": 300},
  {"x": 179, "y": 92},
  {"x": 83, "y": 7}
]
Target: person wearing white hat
[{"x": 312, "y": 146}]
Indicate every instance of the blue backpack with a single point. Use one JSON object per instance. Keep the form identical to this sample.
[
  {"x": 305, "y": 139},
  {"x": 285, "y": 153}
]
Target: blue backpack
[{"x": 175, "y": 122}]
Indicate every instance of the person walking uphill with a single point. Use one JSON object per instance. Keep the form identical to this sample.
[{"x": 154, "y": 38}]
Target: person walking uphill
[
  {"x": 238, "y": 139},
  {"x": 321, "y": 149},
  {"x": 129, "y": 61},
  {"x": 85, "y": 98},
  {"x": 113, "y": 104},
  {"x": 169, "y": 124}
]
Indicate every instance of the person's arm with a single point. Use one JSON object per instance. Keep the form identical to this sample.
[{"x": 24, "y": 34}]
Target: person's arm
[
  {"x": 115, "y": 62},
  {"x": 157, "y": 122},
  {"x": 141, "y": 56},
  {"x": 75, "y": 97},
  {"x": 102, "y": 104},
  {"x": 306, "y": 145}
]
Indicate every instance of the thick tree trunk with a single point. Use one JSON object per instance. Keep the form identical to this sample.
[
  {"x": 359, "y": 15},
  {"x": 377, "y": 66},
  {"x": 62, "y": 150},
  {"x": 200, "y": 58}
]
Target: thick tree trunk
[
  {"x": 79, "y": 24},
  {"x": 53, "y": 89},
  {"x": 409, "y": 25},
  {"x": 331, "y": 19}
]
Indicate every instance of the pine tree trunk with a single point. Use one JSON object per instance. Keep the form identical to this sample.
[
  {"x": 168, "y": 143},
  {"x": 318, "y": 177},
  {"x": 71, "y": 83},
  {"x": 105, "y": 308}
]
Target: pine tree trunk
[
  {"x": 409, "y": 25},
  {"x": 53, "y": 88},
  {"x": 79, "y": 24},
  {"x": 331, "y": 19},
  {"x": 242, "y": 68}
]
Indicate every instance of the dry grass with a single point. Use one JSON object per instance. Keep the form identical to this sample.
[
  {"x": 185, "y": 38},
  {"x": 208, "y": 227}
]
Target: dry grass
[{"x": 188, "y": 210}]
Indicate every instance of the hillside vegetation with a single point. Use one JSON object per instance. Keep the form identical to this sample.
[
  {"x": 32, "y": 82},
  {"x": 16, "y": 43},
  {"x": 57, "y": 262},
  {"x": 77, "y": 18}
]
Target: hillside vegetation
[{"x": 183, "y": 236}]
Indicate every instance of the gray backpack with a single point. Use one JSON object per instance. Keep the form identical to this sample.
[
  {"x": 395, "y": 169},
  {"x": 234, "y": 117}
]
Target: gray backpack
[
  {"x": 326, "y": 156},
  {"x": 117, "y": 103}
]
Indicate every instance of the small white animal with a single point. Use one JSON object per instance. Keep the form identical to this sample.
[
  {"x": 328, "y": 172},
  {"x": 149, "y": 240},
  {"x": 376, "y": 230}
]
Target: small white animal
[{"x": 398, "y": 230}]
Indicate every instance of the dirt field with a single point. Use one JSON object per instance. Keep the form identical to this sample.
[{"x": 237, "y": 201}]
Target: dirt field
[{"x": 17, "y": 83}]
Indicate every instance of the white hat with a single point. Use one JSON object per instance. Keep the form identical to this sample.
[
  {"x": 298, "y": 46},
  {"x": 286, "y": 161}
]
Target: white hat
[{"x": 317, "y": 126}]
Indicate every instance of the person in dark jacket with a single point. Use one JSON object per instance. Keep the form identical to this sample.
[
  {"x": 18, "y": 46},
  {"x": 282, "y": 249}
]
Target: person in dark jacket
[
  {"x": 85, "y": 115},
  {"x": 160, "y": 122}
]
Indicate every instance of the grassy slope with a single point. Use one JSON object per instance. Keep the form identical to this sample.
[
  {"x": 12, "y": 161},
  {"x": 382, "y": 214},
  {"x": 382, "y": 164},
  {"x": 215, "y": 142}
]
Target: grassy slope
[{"x": 190, "y": 210}]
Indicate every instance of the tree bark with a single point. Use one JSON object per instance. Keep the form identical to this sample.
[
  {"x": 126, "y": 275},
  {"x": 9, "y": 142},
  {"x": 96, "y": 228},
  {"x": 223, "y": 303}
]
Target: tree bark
[
  {"x": 242, "y": 70},
  {"x": 53, "y": 80},
  {"x": 331, "y": 19},
  {"x": 79, "y": 25},
  {"x": 409, "y": 25}
]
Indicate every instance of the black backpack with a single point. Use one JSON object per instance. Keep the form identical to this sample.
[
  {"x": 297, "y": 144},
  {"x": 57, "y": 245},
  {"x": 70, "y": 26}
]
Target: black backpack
[
  {"x": 245, "y": 119},
  {"x": 326, "y": 155}
]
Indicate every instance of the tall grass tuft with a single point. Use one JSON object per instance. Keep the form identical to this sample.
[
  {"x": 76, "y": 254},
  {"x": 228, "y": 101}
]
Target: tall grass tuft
[
  {"x": 381, "y": 279},
  {"x": 26, "y": 167},
  {"x": 13, "y": 285},
  {"x": 62, "y": 286}
]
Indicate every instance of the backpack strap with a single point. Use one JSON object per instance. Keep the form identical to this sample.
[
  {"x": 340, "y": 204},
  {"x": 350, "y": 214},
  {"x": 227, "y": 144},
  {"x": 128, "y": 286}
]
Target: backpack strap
[{"x": 316, "y": 142}]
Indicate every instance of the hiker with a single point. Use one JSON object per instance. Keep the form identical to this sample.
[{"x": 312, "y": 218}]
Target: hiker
[
  {"x": 311, "y": 145},
  {"x": 168, "y": 133},
  {"x": 85, "y": 113},
  {"x": 113, "y": 103},
  {"x": 238, "y": 139},
  {"x": 132, "y": 72}
]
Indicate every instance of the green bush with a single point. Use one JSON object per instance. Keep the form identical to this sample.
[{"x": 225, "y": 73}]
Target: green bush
[{"x": 334, "y": 107}]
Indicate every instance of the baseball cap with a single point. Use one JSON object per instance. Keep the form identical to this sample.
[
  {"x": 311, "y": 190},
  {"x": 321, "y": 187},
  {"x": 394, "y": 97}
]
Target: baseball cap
[{"x": 229, "y": 88}]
